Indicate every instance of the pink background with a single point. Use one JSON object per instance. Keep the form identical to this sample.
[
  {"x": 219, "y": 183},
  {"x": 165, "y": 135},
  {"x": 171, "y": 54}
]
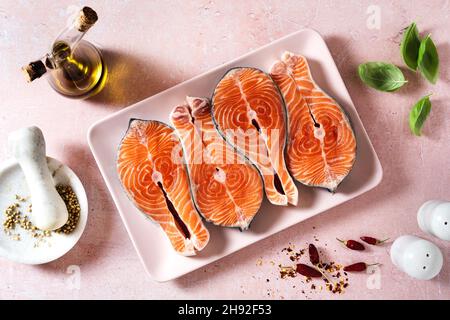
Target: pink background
[{"x": 153, "y": 45}]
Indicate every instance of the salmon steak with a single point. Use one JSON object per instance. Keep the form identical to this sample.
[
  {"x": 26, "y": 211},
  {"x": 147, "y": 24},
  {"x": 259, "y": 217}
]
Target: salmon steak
[
  {"x": 321, "y": 147},
  {"x": 152, "y": 171},
  {"x": 249, "y": 112},
  {"x": 226, "y": 188}
]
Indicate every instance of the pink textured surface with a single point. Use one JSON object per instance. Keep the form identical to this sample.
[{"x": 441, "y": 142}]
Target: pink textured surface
[{"x": 152, "y": 45}]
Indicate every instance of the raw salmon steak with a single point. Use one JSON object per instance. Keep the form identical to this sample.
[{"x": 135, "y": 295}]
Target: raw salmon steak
[
  {"x": 226, "y": 188},
  {"x": 249, "y": 113},
  {"x": 321, "y": 147},
  {"x": 152, "y": 172}
]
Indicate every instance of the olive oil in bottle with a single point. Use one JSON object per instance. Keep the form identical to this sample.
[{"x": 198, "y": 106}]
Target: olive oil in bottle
[{"x": 75, "y": 68}]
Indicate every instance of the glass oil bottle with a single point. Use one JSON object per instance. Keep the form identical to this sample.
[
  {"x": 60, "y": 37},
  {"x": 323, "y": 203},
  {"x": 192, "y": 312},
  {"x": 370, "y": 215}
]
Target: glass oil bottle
[{"x": 74, "y": 67}]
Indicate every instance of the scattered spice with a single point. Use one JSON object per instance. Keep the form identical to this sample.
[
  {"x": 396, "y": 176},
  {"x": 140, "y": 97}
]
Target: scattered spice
[
  {"x": 287, "y": 271},
  {"x": 352, "y": 244},
  {"x": 337, "y": 287},
  {"x": 14, "y": 217},
  {"x": 373, "y": 241},
  {"x": 21, "y": 199},
  {"x": 293, "y": 255},
  {"x": 323, "y": 270},
  {"x": 357, "y": 267}
]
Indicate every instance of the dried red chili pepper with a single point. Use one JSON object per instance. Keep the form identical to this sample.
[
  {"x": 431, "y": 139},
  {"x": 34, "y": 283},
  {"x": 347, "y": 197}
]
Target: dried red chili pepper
[
  {"x": 308, "y": 271},
  {"x": 352, "y": 244},
  {"x": 373, "y": 241},
  {"x": 313, "y": 254},
  {"x": 360, "y": 266}
]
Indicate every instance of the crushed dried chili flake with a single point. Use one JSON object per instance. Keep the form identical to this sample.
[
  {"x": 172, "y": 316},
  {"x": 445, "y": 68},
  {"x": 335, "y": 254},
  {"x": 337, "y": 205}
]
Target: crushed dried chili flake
[{"x": 330, "y": 270}]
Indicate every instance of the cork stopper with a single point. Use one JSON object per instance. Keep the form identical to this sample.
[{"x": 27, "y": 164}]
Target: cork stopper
[
  {"x": 86, "y": 19},
  {"x": 34, "y": 70}
]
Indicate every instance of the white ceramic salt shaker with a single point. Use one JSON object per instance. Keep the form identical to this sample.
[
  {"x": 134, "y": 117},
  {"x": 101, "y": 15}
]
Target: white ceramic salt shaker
[
  {"x": 434, "y": 218},
  {"x": 28, "y": 147},
  {"x": 419, "y": 258}
]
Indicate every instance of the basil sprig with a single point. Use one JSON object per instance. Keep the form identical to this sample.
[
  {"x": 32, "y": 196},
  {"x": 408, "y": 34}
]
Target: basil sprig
[
  {"x": 420, "y": 54},
  {"x": 428, "y": 60},
  {"x": 417, "y": 54},
  {"x": 381, "y": 76},
  {"x": 410, "y": 45},
  {"x": 419, "y": 113}
]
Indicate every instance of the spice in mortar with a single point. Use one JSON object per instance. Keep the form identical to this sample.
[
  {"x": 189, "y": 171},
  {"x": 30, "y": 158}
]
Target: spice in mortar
[
  {"x": 14, "y": 216},
  {"x": 73, "y": 207}
]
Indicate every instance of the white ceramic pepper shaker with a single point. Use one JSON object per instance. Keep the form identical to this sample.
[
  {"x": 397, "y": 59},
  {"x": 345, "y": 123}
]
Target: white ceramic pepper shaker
[
  {"x": 434, "y": 218},
  {"x": 419, "y": 258},
  {"x": 28, "y": 147}
]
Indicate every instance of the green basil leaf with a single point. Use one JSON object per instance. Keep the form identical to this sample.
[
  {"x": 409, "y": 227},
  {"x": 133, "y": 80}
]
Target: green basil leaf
[
  {"x": 381, "y": 76},
  {"x": 419, "y": 113},
  {"x": 410, "y": 45},
  {"x": 428, "y": 60}
]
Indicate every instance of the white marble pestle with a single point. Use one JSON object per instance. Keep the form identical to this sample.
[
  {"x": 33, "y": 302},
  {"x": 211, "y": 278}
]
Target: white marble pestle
[{"x": 27, "y": 145}]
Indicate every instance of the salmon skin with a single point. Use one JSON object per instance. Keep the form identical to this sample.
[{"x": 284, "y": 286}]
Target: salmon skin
[
  {"x": 152, "y": 172},
  {"x": 248, "y": 111},
  {"x": 227, "y": 189},
  {"x": 321, "y": 148}
]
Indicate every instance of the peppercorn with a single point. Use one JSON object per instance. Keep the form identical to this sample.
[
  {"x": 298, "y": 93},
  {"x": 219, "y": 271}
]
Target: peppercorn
[{"x": 14, "y": 217}]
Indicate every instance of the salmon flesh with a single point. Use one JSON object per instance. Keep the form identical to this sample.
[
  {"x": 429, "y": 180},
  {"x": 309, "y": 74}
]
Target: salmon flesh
[
  {"x": 226, "y": 188},
  {"x": 152, "y": 171},
  {"x": 321, "y": 148},
  {"x": 249, "y": 112}
]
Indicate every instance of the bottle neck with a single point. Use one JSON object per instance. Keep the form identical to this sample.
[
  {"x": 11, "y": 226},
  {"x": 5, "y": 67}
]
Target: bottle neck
[
  {"x": 68, "y": 39},
  {"x": 63, "y": 46},
  {"x": 38, "y": 68}
]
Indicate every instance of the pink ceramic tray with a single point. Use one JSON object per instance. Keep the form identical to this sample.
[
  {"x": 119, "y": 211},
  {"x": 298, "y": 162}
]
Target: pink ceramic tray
[{"x": 155, "y": 251}]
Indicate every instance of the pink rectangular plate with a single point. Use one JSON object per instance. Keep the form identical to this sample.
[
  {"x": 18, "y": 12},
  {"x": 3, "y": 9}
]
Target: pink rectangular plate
[{"x": 154, "y": 249}]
